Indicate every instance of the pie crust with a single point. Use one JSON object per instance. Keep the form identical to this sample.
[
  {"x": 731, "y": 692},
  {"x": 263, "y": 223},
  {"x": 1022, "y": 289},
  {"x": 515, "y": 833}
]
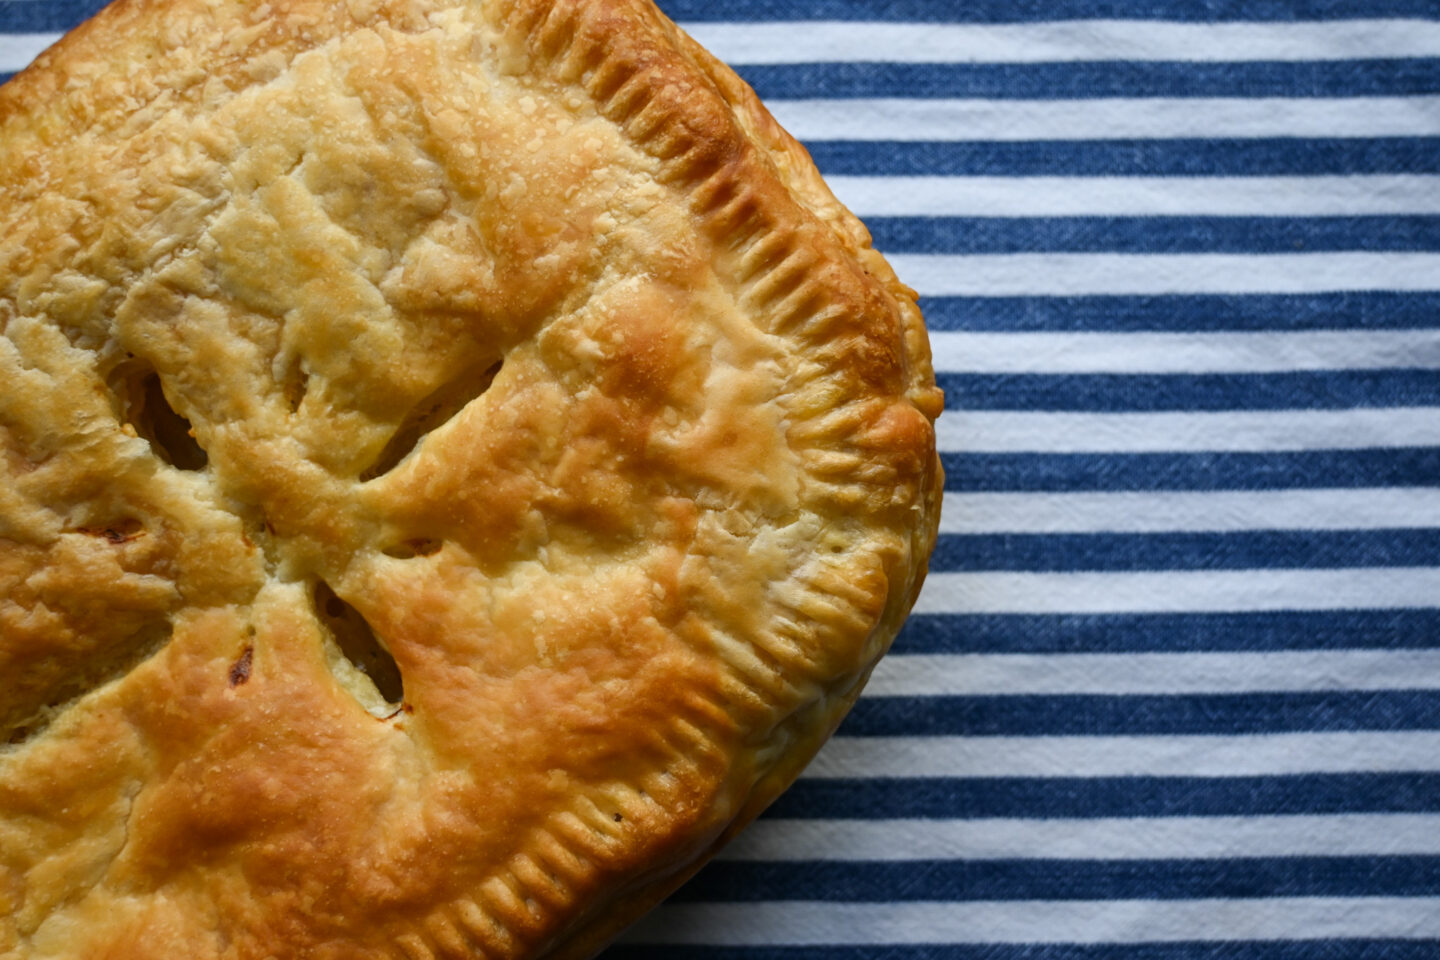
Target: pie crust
[{"x": 516, "y": 335}]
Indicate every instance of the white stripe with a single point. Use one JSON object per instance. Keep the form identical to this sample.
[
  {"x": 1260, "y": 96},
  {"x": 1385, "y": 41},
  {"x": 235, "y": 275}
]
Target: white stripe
[
  {"x": 1181, "y": 591},
  {"x": 1066, "y": 41},
  {"x": 1107, "y": 119},
  {"x": 18, "y": 49},
  {"x": 1039, "y": 921},
  {"x": 1082, "y": 274},
  {"x": 1184, "y": 510},
  {"x": 963, "y": 431},
  {"x": 1198, "y": 838},
  {"x": 1125, "y": 674},
  {"x": 1227, "y": 352},
  {"x": 1269, "y": 755},
  {"x": 1317, "y": 196}
]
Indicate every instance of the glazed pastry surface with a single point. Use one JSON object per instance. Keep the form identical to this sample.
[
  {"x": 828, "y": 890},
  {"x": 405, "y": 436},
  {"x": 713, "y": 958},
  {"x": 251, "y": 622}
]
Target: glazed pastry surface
[{"x": 459, "y": 462}]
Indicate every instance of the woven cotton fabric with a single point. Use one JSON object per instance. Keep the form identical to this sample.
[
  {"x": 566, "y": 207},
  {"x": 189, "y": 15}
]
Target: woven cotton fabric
[{"x": 1172, "y": 690}]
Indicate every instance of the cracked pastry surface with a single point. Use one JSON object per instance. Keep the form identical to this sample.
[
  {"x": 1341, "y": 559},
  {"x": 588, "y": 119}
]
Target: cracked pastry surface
[{"x": 511, "y": 342}]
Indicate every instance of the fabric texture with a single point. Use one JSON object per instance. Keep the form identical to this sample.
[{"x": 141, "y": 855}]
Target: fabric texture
[{"x": 1173, "y": 687}]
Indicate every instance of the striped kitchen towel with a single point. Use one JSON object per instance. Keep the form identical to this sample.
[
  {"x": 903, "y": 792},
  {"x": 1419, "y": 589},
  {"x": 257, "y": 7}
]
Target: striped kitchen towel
[{"x": 1172, "y": 690}]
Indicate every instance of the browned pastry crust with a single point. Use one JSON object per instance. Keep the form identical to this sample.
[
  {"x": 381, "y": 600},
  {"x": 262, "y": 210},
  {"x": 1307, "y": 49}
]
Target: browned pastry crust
[{"x": 516, "y": 331}]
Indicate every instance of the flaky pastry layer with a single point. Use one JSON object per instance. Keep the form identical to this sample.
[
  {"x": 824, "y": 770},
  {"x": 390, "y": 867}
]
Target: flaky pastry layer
[{"x": 512, "y": 339}]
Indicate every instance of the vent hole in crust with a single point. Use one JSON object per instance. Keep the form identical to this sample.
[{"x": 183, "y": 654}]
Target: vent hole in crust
[
  {"x": 428, "y": 414},
  {"x": 359, "y": 660},
  {"x": 33, "y": 700},
  {"x": 410, "y": 549},
  {"x": 116, "y": 531},
  {"x": 144, "y": 407},
  {"x": 295, "y": 385}
]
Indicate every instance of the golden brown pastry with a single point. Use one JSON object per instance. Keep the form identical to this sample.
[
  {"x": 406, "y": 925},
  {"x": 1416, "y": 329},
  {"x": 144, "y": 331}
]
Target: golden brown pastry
[{"x": 459, "y": 463}]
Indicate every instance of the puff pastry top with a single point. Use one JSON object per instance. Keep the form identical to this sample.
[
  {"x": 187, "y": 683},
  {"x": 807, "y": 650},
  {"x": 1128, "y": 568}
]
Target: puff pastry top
[{"x": 514, "y": 338}]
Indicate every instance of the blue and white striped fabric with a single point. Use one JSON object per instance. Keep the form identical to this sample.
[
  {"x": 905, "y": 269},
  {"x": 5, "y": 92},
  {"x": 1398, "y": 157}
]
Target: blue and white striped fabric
[{"x": 1173, "y": 688}]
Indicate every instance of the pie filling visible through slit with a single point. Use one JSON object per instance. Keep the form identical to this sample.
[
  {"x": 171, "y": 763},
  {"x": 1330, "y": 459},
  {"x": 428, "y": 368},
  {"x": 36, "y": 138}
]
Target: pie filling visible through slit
[{"x": 459, "y": 463}]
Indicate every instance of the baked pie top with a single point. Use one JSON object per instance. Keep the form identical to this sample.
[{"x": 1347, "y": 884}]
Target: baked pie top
[{"x": 508, "y": 350}]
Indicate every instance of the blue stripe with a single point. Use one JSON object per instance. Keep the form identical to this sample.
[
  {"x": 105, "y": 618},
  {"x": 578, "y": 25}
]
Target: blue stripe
[
  {"x": 1375, "y": 310},
  {"x": 1068, "y": 81},
  {"x": 1329, "y": 389},
  {"x": 1227, "y": 950},
  {"x": 953, "y": 880},
  {"x": 1153, "y": 234},
  {"x": 46, "y": 16},
  {"x": 1243, "y": 550},
  {"x": 1092, "y": 797},
  {"x": 1019, "y": 11},
  {"x": 1142, "y": 714},
  {"x": 1059, "y": 472},
  {"x": 1170, "y": 632},
  {"x": 1135, "y": 158}
]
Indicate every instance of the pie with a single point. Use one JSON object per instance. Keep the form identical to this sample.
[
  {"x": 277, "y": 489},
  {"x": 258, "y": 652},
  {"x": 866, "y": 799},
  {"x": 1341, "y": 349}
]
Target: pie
[{"x": 459, "y": 463}]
